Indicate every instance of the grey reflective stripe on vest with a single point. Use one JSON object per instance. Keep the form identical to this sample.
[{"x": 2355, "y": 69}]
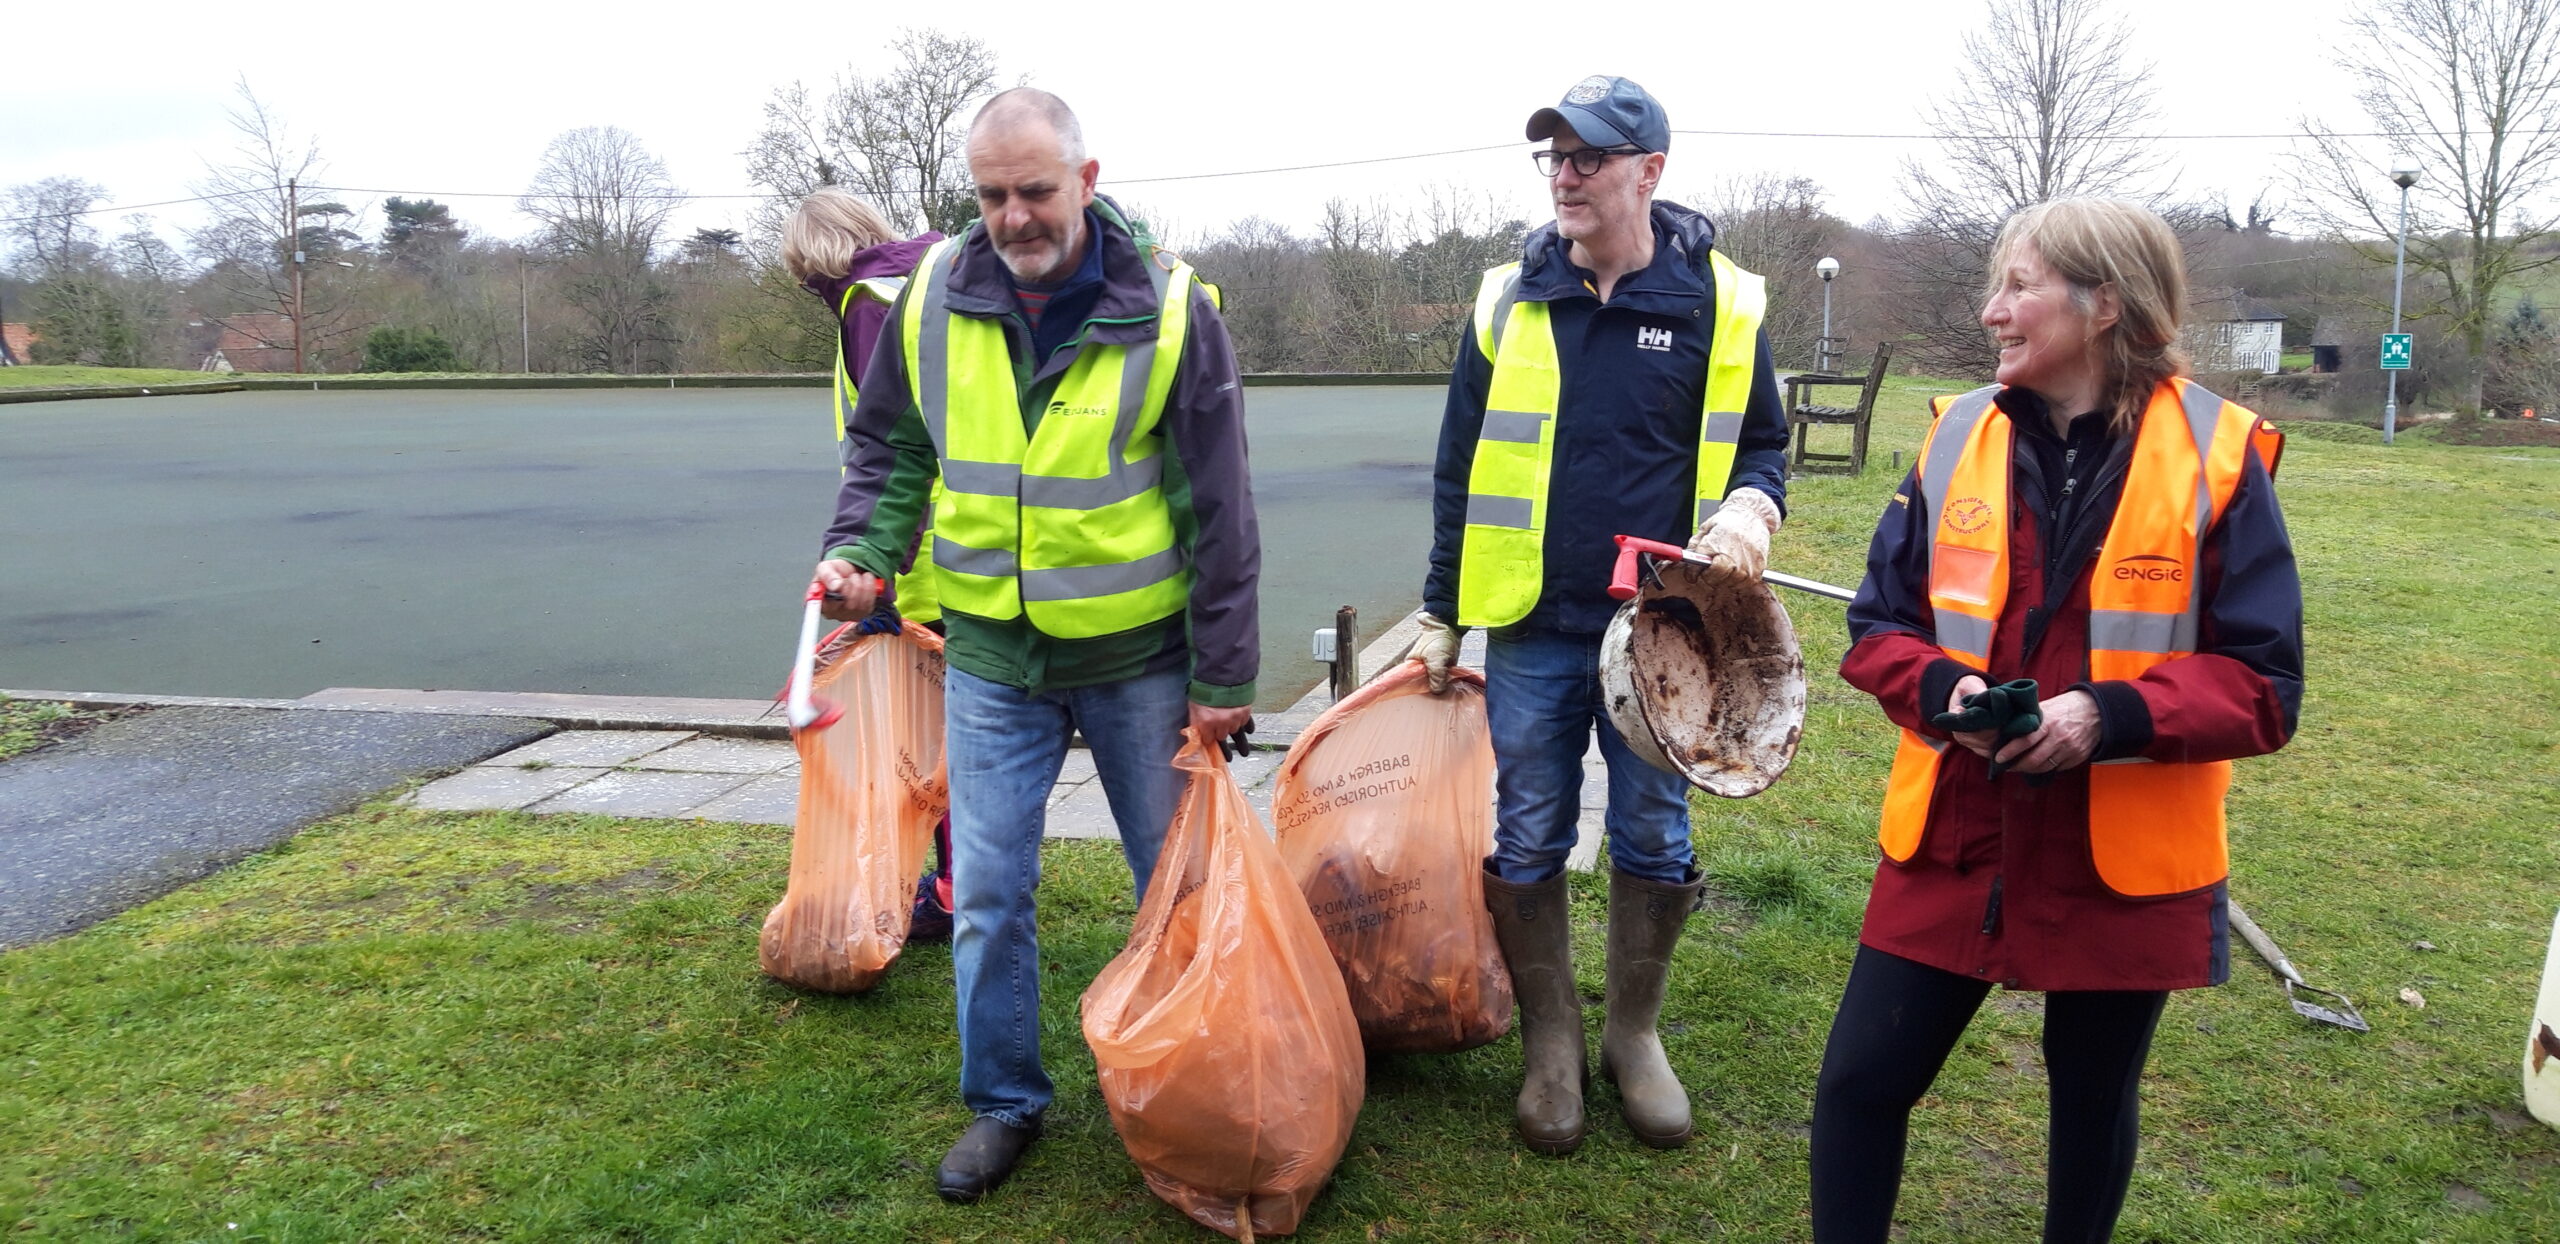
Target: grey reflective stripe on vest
[
  {"x": 2204, "y": 421},
  {"x": 1723, "y": 428},
  {"x": 1517, "y": 426},
  {"x": 1502, "y": 305},
  {"x": 1081, "y": 582},
  {"x": 933, "y": 347},
  {"x": 988, "y": 563},
  {"x": 1064, "y": 492},
  {"x": 844, "y": 451},
  {"x": 983, "y": 479},
  {"x": 2124, "y": 630},
  {"x": 1964, "y": 632},
  {"x": 1487, "y": 511}
]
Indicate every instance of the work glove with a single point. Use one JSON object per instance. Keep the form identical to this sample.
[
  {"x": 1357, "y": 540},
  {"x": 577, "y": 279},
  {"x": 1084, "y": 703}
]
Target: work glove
[
  {"x": 1737, "y": 534},
  {"x": 2009, "y": 708},
  {"x": 1438, "y": 649}
]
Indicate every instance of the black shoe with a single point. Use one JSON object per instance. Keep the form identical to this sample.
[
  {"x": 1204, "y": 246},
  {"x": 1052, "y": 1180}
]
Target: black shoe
[
  {"x": 985, "y": 1154},
  {"x": 931, "y": 921}
]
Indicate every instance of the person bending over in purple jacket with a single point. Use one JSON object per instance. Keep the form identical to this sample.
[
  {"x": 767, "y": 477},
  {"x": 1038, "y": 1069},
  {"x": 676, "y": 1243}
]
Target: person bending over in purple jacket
[{"x": 839, "y": 247}]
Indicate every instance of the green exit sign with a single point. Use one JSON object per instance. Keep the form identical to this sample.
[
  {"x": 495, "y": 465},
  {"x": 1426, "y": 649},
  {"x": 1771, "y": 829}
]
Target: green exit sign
[{"x": 2396, "y": 351}]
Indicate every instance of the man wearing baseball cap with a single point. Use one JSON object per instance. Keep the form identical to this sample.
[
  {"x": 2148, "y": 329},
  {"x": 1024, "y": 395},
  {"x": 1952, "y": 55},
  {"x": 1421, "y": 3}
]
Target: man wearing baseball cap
[{"x": 1617, "y": 381}]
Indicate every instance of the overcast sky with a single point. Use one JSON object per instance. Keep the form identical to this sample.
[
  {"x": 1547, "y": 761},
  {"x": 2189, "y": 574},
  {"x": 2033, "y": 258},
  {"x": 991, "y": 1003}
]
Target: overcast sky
[{"x": 452, "y": 100}]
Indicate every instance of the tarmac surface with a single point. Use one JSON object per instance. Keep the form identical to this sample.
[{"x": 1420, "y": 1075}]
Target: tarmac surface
[
  {"x": 138, "y": 807},
  {"x": 619, "y": 542}
]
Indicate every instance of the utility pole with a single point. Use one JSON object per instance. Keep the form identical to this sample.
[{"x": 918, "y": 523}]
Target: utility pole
[{"x": 293, "y": 228}]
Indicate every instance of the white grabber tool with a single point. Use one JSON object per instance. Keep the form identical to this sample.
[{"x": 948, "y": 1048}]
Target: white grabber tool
[{"x": 807, "y": 711}]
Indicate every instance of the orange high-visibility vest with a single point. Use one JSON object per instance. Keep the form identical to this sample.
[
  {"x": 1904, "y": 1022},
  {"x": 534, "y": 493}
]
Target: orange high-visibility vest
[{"x": 2154, "y": 828}]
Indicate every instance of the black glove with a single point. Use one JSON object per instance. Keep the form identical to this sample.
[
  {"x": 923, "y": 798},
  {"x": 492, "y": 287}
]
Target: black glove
[
  {"x": 883, "y": 620},
  {"x": 2009, "y": 708},
  {"x": 1239, "y": 745}
]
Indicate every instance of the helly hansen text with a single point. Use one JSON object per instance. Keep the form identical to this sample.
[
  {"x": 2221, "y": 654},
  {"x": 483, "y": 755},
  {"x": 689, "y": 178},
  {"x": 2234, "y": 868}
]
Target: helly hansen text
[{"x": 1653, "y": 339}]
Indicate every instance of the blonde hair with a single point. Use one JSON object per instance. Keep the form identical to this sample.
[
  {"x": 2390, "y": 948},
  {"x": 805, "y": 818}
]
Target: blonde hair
[
  {"x": 827, "y": 230},
  {"x": 2095, "y": 243}
]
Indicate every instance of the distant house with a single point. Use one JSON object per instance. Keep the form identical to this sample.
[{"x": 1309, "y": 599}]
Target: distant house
[
  {"x": 17, "y": 341},
  {"x": 250, "y": 341},
  {"x": 2234, "y": 332}
]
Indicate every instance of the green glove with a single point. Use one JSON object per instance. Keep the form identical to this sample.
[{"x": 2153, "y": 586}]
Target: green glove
[{"x": 2009, "y": 708}]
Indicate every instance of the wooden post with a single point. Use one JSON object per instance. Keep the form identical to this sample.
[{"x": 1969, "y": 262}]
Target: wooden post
[{"x": 1346, "y": 652}]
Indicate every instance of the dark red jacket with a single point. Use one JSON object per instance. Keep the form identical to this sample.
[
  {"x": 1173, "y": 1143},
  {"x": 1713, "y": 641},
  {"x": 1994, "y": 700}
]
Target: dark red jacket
[{"x": 2001, "y": 887}]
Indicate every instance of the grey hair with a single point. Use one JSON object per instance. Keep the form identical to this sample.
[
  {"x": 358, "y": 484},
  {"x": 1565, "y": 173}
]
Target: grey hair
[{"x": 1012, "y": 105}]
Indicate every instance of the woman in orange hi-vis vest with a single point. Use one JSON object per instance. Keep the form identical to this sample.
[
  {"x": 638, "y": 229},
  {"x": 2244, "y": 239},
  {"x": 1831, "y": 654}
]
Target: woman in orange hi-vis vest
[{"x": 2106, "y": 527}]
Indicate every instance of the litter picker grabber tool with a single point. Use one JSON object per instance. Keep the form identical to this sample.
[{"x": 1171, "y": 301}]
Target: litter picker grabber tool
[
  {"x": 806, "y": 711},
  {"x": 1622, "y": 580},
  {"x": 2344, "y": 1015}
]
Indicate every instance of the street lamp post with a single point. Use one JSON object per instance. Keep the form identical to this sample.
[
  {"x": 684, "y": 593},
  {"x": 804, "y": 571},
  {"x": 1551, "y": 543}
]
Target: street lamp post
[
  {"x": 2404, "y": 172},
  {"x": 1827, "y": 268}
]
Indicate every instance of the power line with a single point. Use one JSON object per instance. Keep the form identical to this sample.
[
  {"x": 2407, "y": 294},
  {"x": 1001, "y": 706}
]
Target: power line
[
  {"x": 1255, "y": 172},
  {"x": 135, "y": 207}
]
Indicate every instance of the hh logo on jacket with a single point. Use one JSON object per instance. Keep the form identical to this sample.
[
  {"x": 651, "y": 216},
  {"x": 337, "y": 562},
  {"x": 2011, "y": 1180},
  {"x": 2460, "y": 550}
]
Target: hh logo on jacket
[{"x": 1654, "y": 339}]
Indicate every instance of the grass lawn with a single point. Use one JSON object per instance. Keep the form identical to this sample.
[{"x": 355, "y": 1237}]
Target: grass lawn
[
  {"x": 26, "y": 725},
  {"x": 415, "y": 1026},
  {"x": 34, "y": 376}
]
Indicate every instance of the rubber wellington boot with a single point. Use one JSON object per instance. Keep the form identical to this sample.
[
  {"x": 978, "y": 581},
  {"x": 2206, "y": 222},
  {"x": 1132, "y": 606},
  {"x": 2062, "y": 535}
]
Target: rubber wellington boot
[
  {"x": 1645, "y": 919},
  {"x": 1536, "y": 932}
]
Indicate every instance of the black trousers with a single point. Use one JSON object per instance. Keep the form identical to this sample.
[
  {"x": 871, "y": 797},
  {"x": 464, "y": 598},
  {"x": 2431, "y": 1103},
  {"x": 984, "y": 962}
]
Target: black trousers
[{"x": 1897, "y": 1021}]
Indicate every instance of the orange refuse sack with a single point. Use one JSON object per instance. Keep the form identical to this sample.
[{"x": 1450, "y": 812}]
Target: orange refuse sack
[
  {"x": 1221, "y": 1035},
  {"x": 1385, "y": 816},
  {"x": 872, "y": 789}
]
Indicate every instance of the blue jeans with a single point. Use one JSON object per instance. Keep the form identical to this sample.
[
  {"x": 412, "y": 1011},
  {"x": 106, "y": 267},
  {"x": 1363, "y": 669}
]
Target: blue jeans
[
  {"x": 1542, "y": 697},
  {"x": 1004, "y": 746}
]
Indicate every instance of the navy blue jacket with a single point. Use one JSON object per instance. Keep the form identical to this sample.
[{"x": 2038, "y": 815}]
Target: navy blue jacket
[{"x": 1627, "y": 416}]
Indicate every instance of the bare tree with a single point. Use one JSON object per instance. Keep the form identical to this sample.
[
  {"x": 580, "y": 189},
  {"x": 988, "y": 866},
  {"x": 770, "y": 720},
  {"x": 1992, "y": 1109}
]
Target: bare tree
[
  {"x": 2048, "y": 103},
  {"x": 2472, "y": 89},
  {"x": 48, "y": 221},
  {"x": 603, "y": 199},
  {"x": 247, "y": 242},
  {"x": 896, "y": 139},
  {"x": 1776, "y": 226}
]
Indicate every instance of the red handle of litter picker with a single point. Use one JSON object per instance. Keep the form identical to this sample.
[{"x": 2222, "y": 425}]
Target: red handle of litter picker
[{"x": 1622, "y": 578}]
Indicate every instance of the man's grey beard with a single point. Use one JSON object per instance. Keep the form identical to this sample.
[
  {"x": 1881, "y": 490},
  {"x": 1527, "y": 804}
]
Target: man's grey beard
[{"x": 1069, "y": 251}]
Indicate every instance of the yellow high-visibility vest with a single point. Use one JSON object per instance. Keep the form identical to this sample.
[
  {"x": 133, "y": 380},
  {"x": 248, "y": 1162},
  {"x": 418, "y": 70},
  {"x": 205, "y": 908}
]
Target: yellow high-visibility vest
[
  {"x": 1502, "y": 557},
  {"x": 1068, "y": 524},
  {"x": 919, "y": 598}
]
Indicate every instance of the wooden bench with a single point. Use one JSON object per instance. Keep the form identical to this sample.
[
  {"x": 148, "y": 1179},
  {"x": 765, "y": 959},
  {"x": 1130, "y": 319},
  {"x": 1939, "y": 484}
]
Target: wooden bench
[{"x": 1803, "y": 415}]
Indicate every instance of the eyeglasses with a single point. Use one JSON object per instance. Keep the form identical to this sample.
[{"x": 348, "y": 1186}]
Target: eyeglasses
[{"x": 1585, "y": 160}]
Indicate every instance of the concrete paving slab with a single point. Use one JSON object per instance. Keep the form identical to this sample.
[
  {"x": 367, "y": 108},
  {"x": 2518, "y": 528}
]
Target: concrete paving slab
[
  {"x": 489, "y": 788},
  {"x": 1588, "y": 832},
  {"x": 1078, "y": 766},
  {"x": 1085, "y": 812},
  {"x": 137, "y": 808},
  {"x": 714, "y": 755},
  {"x": 599, "y": 748},
  {"x": 769, "y": 800},
  {"x": 643, "y": 794}
]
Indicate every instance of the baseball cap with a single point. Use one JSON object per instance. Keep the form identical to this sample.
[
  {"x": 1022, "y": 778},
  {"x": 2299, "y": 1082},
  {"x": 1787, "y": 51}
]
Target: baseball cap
[{"x": 1606, "y": 112}]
